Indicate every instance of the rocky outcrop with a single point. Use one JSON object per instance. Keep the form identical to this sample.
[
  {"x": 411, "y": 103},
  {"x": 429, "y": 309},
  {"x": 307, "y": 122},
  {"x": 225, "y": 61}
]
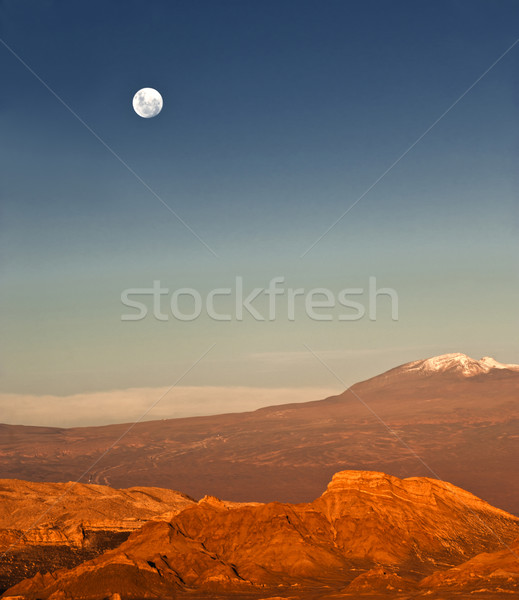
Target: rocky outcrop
[
  {"x": 370, "y": 513},
  {"x": 44, "y": 526},
  {"x": 493, "y": 571},
  {"x": 61, "y": 512},
  {"x": 380, "y": 580},
  {"x": 368, "y": 532}
]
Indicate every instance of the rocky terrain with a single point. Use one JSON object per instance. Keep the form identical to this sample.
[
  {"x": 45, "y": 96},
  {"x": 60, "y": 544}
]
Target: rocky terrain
[
  {"x": 368, "y": 534},
  {"x": 44, "y": 525},
  {"x": 495, "y": 570},
  {"x": 460, "y": 415}
]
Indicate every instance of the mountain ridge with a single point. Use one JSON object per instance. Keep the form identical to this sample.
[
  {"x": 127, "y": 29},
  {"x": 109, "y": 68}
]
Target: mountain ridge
[
  {"x": 464, "y": 428},
  {"x": 367, "y": 532}
]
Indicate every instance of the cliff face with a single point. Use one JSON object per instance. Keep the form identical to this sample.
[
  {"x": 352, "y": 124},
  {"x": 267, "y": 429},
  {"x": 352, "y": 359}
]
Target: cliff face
[
  {"x": 367, "y": 532},
  {"x": 24, "y": 503},
  {"x": 386, "y": 519},
  {"x": 45, "y": 526}
]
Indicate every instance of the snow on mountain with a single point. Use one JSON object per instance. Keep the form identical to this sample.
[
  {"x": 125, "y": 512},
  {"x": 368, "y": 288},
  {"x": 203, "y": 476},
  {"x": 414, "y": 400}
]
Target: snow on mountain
[{"x": 457, "y": 363}]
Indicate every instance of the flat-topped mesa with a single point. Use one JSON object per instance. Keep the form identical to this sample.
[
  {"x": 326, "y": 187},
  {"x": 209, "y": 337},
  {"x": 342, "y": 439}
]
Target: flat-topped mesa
[
  {"x": 349, "y": 480},
  {"x": 418, "y": 490},
  {"x": 383, "y": 517},
  {"x": 457, "y": 363}
]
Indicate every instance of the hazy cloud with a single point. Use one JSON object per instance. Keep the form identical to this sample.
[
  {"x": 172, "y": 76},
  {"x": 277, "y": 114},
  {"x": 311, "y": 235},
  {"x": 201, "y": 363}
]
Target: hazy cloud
[{"x": 121, "y": 406}]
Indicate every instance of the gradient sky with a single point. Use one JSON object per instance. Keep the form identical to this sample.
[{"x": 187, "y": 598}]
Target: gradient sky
[{"x": 277, "y": 116}]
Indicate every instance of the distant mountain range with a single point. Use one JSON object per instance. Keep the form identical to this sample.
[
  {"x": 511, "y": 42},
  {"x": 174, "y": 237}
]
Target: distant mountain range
[
  {"x": 450, "y": 416},
  {"x": 368, "y": 535}
]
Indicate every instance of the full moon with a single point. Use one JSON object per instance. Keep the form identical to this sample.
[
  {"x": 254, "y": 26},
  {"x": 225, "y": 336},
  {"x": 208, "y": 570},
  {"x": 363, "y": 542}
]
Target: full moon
[{"x": 147, "y": 103}]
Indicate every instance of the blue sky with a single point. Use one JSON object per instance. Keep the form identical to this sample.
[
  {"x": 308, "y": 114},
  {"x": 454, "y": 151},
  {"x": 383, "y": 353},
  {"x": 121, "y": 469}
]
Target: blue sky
[{"x": 277, "y": 117}]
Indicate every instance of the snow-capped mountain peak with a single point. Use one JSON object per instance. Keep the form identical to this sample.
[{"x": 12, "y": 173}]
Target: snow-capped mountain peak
[{"x": 457, "y": 363}]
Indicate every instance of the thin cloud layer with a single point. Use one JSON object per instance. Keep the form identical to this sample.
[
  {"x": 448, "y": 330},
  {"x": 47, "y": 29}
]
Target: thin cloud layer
[{"x": 123, "y": 406}]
